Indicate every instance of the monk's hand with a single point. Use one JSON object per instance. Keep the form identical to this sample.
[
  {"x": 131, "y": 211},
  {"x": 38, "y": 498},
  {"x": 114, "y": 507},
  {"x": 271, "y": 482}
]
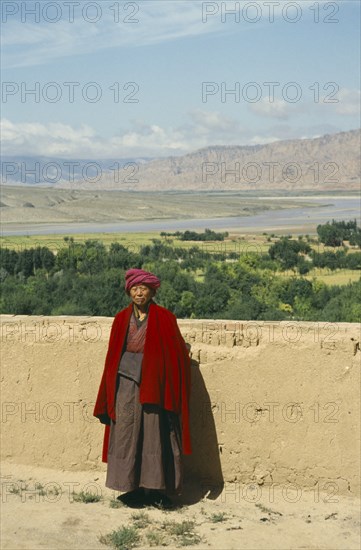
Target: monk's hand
[{"x": 104, "y": 419}]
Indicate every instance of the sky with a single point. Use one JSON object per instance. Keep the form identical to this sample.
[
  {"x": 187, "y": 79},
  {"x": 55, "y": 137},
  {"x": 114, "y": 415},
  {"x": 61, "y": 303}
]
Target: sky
[{"x": 154, "y": 78}]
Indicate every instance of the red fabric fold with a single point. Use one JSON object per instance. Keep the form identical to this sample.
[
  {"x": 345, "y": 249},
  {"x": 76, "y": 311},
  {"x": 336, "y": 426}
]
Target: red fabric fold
[{"x": 166, "y": 371}]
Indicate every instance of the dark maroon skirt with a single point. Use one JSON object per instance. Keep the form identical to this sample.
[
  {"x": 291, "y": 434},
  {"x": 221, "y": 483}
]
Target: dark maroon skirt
[{"x": 145, "y": 444}]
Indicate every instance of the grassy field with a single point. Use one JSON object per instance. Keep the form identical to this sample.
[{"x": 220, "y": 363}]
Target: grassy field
[
  {"x": 55, "y": 242},
  {"x": 235, "y": 242},
  {"x": 332, "y": 278}
]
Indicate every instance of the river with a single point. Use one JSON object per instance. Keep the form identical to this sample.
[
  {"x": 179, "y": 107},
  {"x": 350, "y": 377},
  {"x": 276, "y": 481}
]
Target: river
[{"x": 297, "y": 220}]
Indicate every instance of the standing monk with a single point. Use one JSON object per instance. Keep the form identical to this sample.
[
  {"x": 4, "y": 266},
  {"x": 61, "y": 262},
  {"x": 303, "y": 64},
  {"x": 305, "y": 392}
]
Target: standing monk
[{"x": 143, "y": 398}]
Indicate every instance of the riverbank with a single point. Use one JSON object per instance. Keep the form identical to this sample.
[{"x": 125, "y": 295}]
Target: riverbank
[
  {"x": 49, "y": 212},
  {"x": 288, "y": 220}
]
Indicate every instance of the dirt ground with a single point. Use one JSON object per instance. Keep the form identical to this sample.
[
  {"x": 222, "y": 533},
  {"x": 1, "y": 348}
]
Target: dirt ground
[{"x": 48, "y": 517}]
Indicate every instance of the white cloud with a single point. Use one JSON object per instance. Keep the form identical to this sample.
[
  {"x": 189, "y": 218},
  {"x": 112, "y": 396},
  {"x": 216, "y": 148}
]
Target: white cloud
[
  {"x": 278, "y": 108},
  {"x": 39, "y": 139},
  {"x": 29, "y": 43},
  {"x": 83, "y": 142},
  {"x": 286, "y": 131},
  {"x": 203, "y": 129},
  {"x": 337, "y": 102},
  {"x": 151, "y": 140},
  {"x": 349, "y": 102},
  {"x": 213, "y": 122},
  {"x": 263, "y": 140}
]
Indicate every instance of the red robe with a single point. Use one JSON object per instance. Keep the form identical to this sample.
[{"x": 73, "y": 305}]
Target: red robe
[{"x": 166, "y": 372}]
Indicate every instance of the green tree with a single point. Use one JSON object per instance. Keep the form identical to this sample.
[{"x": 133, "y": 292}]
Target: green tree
[
  {"x": 187, "y": 303},
  {"x": 353, "y": 261},
  {"x": 355, "y": 238},
  {"x": 288, "y": 252},
  {"x": 344, "y": 306},
  {"x": 330, "y": 235},
  {"x": 8, "y": 260}
]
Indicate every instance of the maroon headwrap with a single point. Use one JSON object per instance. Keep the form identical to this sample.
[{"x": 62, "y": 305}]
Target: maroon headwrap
[{"x": 139, "y": 276}]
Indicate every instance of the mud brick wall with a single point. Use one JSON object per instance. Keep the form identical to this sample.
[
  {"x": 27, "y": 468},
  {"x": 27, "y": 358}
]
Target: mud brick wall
[{"x": 272, "y": 402}]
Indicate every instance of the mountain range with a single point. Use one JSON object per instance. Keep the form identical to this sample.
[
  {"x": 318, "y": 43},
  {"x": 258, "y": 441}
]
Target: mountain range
[{"x": 325, "y": 163}]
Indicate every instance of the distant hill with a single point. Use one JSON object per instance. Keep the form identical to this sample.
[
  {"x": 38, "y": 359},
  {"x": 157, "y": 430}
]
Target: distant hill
[{"x": 327, "y": 163}]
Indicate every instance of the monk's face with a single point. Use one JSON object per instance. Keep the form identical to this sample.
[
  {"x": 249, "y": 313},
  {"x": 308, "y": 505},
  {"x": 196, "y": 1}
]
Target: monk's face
[{"x": 141, "y": 295}]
